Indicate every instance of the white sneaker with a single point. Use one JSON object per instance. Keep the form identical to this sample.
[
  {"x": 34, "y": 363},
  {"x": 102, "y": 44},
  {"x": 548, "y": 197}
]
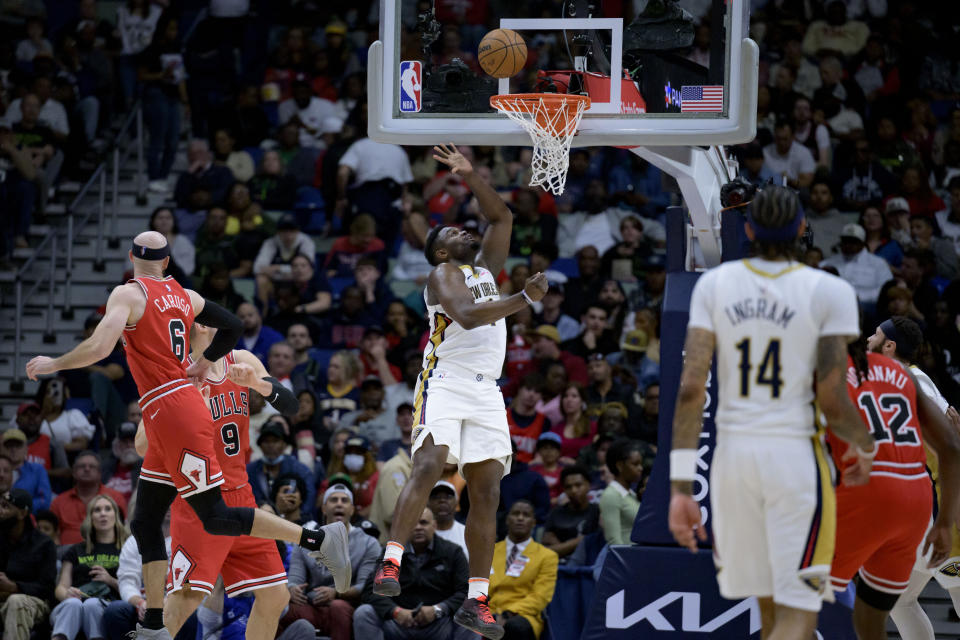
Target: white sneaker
[
  {"x": 158, "y": 186},
  {"x": 334, "y": 554},
  {"x": 142, "y": 633}
]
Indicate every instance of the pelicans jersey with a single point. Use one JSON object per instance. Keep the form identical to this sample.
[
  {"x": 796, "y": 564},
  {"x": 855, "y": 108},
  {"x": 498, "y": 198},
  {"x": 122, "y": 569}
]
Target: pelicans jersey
[
  {"x": 196, "y": 557},
  {"x": 457, "y": 400},
  {"x": 869, "y": 542},
  {"x": 175, "y": 418},
  {"x": 774, "y": 515}
]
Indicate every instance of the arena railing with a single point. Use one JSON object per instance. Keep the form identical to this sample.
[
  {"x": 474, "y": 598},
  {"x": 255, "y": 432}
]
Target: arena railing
[{"x": 76, "y": 222}]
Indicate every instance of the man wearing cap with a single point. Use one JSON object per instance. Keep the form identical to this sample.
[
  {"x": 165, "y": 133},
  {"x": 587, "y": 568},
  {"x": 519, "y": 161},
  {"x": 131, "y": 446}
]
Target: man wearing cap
[
  {"x": 272, "y": 263},
  {"x": 371, "y": 420},
  {"x": 40, "y": 448},
  {"x": 28, "y": 567},
  {"x": 633, "y": 357},
  {"x": 855, "y": 264},
  {"x": 28, "y": 476},
  {"x": 204, "y": 184},
  {"x": 443, "y": 504},
  {"x": 551, "y": 313},
  {"x": 307, "y": 111},
  {"x": 312, "y": 596},
  {"x": 121, "y": 463},
  {"x": 897, "y": 212},
  {"x": 273, "y": 442},
  {"x": 547, "y": 346},
  {"x": 373, "y": 357},
  {"x": 433, "y": 579}
]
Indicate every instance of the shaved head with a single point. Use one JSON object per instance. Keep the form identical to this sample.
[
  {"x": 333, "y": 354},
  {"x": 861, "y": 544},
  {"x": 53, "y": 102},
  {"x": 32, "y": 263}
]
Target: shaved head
[{"x": 151, "y": 240}]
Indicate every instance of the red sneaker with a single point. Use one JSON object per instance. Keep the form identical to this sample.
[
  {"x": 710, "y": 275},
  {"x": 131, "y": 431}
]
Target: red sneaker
[
  {"x": 387, "y": 580},
  {"x": 474, "y": 614}
]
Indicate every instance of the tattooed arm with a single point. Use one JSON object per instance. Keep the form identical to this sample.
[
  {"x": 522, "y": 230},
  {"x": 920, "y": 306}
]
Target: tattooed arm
[
  {"x": 684, "y": 517},
  {"x": 842, "y": 416}
]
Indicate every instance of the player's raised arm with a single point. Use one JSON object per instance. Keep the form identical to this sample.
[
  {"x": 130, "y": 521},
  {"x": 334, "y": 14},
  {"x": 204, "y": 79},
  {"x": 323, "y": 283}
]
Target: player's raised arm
[
  {"x": 447, "y": 284},
  {"x": 120, "y": 307},
  {"x": 495, "y": 245},
  {"x": 250, "y": 372},
  {"x": 229, "y": 330},
  {"x": 940, "y": 436}
]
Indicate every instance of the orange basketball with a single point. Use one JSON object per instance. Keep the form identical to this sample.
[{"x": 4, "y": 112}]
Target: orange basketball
[{"x": 502, "y": 53}]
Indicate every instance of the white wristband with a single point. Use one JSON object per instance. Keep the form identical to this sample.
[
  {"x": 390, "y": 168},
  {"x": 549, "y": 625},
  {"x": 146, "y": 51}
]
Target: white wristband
[
  {"x": 868, "y": 454},
  {"x": 683, "y": 464},
  {"x": 526, "y": 297}
]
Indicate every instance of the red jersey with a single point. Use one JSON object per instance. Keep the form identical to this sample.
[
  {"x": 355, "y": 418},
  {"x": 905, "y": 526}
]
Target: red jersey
[
  {"x": 887, "y": 401},
  {"x": 526, "y": 437},
  {"x": 230, "y": 411},
  {"x": 38, "y": 451},
  {"x": 158, "y": 345}
]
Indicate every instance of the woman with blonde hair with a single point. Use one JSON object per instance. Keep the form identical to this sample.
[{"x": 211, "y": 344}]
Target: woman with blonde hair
[{"x": 88, "y": 575}]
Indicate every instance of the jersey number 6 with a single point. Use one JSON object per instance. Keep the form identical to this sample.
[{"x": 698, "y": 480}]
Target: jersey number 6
[{"x": 178, "y": 339}]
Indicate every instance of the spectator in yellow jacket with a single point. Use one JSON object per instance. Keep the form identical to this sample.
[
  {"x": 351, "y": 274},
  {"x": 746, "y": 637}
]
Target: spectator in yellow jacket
[{"x": 523, "y": 576}]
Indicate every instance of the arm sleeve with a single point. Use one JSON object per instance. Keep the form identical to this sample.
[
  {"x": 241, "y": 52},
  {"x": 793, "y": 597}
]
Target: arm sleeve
[
  {"x": 230, "y": 330},
  {"x": 836, "y": 304},
  {"x": 701, "y": 303},
  {"x": 282, "y": 399},
  {"x": 128, "y": 572}
]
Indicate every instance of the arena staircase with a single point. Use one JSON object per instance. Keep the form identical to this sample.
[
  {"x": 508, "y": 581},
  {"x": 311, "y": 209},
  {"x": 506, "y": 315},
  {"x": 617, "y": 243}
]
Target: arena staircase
[{"x": 61, "y": 286}]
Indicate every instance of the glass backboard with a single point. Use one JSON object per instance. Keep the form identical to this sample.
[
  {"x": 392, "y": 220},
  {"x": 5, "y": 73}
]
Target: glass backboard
[{"x": 667, "y": 72}]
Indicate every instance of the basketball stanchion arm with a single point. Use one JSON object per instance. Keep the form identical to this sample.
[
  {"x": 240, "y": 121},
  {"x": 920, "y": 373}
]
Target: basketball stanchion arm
[{"x": 700, "y": 172}]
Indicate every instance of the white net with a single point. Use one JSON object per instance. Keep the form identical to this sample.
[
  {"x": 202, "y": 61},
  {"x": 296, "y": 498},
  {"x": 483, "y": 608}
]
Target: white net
[{"x": 551, "y": 120}]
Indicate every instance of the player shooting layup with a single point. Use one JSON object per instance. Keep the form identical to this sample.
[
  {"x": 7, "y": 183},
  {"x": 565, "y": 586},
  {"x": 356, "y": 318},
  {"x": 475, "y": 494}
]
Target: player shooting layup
[
  {"x": 773, "y": 323},
  {"x": 459, "y": 415},
  {"x": 153, "y": 315}
]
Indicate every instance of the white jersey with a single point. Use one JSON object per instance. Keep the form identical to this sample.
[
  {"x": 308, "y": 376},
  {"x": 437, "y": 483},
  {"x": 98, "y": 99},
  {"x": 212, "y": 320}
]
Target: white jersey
[
  {"x": 767, "y": 318},
  {"x": 929, "y": 389},
  {"x": 467, "y": 352}
]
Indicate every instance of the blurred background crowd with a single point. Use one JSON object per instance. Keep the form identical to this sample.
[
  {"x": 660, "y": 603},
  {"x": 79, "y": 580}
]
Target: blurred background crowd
[{"x": 288, "y": 214}]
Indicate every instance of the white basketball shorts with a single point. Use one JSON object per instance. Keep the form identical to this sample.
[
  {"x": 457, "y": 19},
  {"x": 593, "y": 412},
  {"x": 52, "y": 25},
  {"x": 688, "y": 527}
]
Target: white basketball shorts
[
  {"x": 465, "y": 414},
  {"x": 774, "y": 519}
]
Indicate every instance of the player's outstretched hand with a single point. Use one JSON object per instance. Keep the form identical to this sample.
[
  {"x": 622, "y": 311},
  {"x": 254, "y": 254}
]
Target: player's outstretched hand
[
  {"x": 684, "y": 521},
  {"x": 536, "y": 286},
  {"x": 242, "y": 374},
  {"x": 41, "y": 365},
  {"x": 939, "y": 541},
  {"x": 859, "y": 472},
  {"x": 448, "y": 155}
]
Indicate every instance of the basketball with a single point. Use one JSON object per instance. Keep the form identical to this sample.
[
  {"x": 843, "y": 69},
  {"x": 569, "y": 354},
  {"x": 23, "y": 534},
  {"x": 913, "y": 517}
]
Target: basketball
[{"x": 502, "y": 53}]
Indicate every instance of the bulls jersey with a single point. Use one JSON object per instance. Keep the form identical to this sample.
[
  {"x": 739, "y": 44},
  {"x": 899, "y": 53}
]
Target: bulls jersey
[
  {"x": 767, "y": 317},
  {"x": 230, "y": 411},
  {"x": 158, "y": 345},
  {"x": 887, "y": 401},
  {"x": 477, "y": 351}
]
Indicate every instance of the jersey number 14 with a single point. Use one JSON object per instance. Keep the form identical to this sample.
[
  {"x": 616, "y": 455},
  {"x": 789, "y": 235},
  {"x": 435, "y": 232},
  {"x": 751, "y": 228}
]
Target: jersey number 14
[{"x": 768, "y": 372}]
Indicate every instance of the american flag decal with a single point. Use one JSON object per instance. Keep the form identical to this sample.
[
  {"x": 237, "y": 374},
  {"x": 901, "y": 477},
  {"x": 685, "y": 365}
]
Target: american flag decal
[{"x": 708, "y": 99}]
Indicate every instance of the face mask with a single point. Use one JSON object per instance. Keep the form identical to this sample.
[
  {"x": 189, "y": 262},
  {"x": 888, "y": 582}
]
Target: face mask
[
  {"x": 273, "y": 461},
  {"x": 353, "y": 462}
]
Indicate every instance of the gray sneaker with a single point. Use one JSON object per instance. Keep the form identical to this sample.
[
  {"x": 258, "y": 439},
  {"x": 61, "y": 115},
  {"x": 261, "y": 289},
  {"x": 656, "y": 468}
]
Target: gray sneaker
[
  {"x": 334, "y": 554},
  {"x": 152, "y": 634}
]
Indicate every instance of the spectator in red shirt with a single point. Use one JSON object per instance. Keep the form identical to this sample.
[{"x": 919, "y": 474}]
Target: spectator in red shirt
[
  {"x": 70, "y": 507},
  {"x": 526, "y": 423},
  {"x": 40, "y": 449},
  {"x": 362, "y": 242},
  {"x": 373, "y": 357},
  {"x": 550, "y": 466}
]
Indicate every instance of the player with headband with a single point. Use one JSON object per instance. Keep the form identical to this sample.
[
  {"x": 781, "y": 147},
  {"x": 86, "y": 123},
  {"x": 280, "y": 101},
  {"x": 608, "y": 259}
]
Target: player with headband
[
  {"x": 153, "y": 315},
  {"x": 774, "y": 324}
]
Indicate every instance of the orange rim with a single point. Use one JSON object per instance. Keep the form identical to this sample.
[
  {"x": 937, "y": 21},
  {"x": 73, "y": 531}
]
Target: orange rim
[
  {"x": 567, "y": 104},
  {"x": 552, "y": 101}
]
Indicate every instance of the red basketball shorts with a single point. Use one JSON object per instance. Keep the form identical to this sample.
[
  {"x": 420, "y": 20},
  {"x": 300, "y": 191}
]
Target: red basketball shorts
[
  {"x": 197, "y": 558},
  {"x": 879, "y": 526},
  {"x": 180, "y": 432}
]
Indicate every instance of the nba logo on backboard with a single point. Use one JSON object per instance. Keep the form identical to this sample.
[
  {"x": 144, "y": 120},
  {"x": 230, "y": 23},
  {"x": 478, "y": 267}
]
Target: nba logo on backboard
[{"x": 410, "y": 86}]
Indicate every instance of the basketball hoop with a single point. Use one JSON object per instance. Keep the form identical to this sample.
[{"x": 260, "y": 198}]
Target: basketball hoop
[{"x": 551, "y": 119}]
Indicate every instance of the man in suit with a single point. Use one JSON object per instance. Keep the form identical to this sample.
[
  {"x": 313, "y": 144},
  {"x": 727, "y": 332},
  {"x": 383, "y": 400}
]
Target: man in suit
[{"x": 523, "y": 576}]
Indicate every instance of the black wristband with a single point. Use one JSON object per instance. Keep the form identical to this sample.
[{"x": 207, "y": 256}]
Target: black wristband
[
  {"x": 229, "y": 330},
  {"x": 281, "y": 398}
]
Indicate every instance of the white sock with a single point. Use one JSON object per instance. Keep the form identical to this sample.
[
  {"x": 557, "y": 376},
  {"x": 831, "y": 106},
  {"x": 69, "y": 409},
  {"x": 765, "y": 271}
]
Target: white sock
[
  {"x": 477, "y": 587},
  {"x": 394, "y": 552}
]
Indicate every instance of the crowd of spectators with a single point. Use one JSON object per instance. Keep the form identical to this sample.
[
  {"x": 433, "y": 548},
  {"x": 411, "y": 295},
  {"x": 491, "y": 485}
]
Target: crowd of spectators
[{"x": 313, "y": 233}]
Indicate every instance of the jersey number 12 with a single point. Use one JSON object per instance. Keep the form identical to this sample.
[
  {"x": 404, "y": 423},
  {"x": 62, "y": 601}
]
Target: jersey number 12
[{"x": 768, "y": 373}]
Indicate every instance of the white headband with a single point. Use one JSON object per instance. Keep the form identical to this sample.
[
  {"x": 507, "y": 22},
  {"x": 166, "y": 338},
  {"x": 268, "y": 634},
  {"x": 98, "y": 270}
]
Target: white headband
[{"x": 338, "y": 488}]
